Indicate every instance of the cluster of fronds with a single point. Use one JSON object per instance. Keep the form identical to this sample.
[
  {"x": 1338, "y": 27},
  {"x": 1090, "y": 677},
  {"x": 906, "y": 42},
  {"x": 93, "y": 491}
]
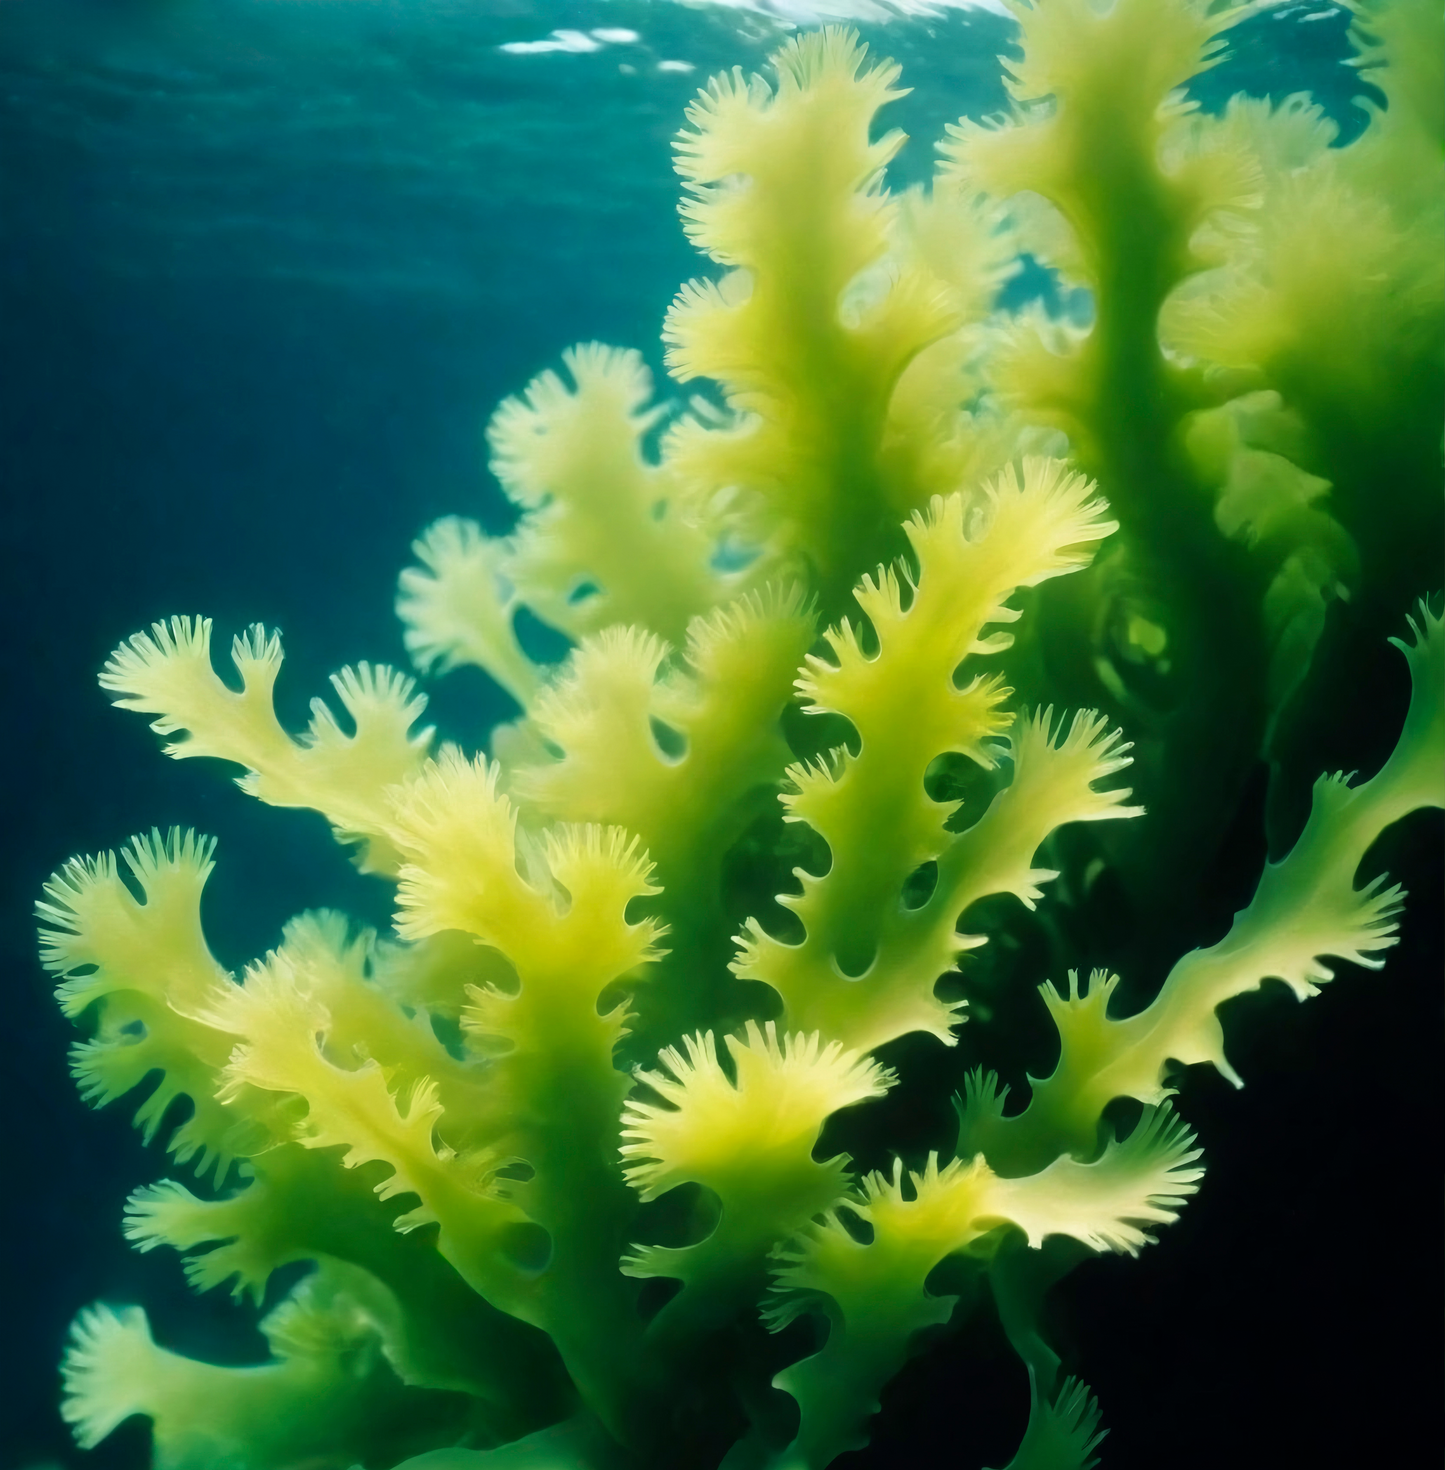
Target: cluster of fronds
[{"x": 797, "y": 609}]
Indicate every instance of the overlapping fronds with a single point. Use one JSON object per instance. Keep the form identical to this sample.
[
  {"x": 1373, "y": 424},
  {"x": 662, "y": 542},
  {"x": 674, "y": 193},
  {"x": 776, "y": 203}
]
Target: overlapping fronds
[
  {"x": 911, "y": 698},
  {"x": 748, "y": 1138},
  {"x": 1089, "y": 73},
  {"x": 459, "y": 607},
  {"x": 1236, "y": 338},
  {"x": 144, "y": 966},
  {"x": 784, "y": 188},
  {"x": 606, "y": 536},
  {"x": 328, "y": 1385},
  {"x": 718, "y": 710},
  {"x": 875, "y": 1294},
  {"x": 459, "y": 835},
  {"x": 1305, "y": 910}
]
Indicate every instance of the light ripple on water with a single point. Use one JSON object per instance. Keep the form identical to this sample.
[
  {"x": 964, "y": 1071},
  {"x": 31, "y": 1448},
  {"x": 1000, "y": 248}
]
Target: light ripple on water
[{"x": 362, "y": 144}]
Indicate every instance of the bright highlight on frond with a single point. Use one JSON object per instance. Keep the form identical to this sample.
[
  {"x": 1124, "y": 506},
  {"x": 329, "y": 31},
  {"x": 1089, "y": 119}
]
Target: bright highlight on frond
[
  {"x": 141, "y": 974},
  {"x": 167, "y": 672},
  {"x": 458, "y": 607},
  {"x": 459, "y": 834},
  {"x": 714, "y": 1128},
  {"x": 606, "y": 537},
  {"x": 868, "y": 965},
  {"x": 106, "y": 1372},
  {"x": 1108, "y": 1205},
  {"x": 95, "y": 925}
]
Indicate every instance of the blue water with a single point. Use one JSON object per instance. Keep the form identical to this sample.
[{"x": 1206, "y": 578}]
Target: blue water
[{"x": 265, "y": 268}]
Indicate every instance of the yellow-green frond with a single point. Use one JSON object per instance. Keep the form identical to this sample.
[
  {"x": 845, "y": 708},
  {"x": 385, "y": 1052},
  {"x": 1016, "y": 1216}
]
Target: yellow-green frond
[
  {"x": 606, "y": 537},
  {"x": 458, "y": 607},
  {"x": 167, "y": 672},
  {"x": 107, "y": 1371},
  {"x": 1109, "y": 1204},
  {"x": 458, "y": 834},
  {"x": 1063, "y": 1432},
  {"x": 867, "y": 966},
  {"x": 145, "y": 968},
  {"x": 94, "y": 924},
  {"x": 620, "y": 696},
  {"x": 817, "y": 319},
  {"x": 718, "y": 1131}
]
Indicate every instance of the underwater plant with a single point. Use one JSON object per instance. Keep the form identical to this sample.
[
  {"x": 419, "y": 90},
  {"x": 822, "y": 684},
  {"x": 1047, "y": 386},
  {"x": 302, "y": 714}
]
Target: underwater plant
[{"x": 862, "y": 638}]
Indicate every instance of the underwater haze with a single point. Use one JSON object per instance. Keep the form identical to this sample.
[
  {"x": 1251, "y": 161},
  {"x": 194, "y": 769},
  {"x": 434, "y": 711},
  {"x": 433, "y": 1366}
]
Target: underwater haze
[{"x": 266, "y": 268}]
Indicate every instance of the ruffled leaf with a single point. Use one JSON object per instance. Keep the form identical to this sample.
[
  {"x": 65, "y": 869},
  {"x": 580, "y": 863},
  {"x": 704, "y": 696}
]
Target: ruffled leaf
[
  {"x": 458, "y": 607},
  {"x": 605, "y": 537},
  {"x": 167, "y": 672},
  {"x": 867, "y": 966},
  {"x": 144, "y": 965}
]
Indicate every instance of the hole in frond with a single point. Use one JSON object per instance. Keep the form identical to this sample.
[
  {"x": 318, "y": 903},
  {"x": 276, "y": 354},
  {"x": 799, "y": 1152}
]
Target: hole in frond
[
  {"x": 541, "y": 642},
  {"x": 732, "y": 556},
  {"x": 955, "y": 777},
  {"x": 526, "y": 1245},
  {"x": 618, "y": 993},
  {"x": 867, "y": 637},
  {"x": 857, "y": 1227},
  {"x": 654, "y": 1294},
  {"x": 680, "y": 1218},
  {"x": 495, "y": 970},
  {"x": 583, "y": 592},
  {"x": 518, "y": 1170},
  {"x": 918, "y": 886},
  {"x": 448, "y": 1031},
  {"x": 670, "y": 742},
  {"x": 855, "y": 955}
]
